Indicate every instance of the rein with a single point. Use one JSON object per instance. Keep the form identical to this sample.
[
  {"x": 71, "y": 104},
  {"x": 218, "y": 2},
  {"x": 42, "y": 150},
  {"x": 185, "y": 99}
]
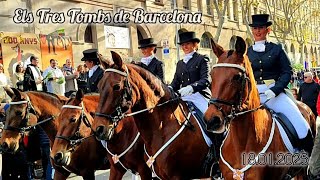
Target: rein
[{"x": 23, "y": 130}]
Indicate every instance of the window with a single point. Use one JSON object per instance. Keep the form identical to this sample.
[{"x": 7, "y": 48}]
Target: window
[
  {"x": 199, "y": 4},
  {"x": 205, "y": 41},
  {"x": 186, "y": 4},
  {"x": 235, "y": 10},
  {"x": 88, "y": 34},
  {"x": 209, "y": 8}
]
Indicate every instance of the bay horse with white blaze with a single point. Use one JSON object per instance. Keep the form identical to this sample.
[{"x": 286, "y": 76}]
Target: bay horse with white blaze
[
  {"x": 174, "y": 150},
  {"x": 31, "y": 108},
  {"x": 125, "y": 145},
  {"x": 235, "y": 100}
]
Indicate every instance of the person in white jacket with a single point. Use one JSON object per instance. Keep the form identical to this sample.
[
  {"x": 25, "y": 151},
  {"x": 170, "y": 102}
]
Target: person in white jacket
[{"x": 54, "y": 78}]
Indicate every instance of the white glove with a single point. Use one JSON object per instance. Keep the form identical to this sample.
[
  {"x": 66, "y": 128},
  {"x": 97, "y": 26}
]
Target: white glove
[
  {"x": 188, "y": 90},
  {"x": 270, "y": 94}
]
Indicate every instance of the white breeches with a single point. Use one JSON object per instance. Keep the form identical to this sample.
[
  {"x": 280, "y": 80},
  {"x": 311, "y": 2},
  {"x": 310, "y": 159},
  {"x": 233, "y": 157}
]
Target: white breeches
[
  {"x": 282, "y": 103},
  {"x": 198, "y": 100}
]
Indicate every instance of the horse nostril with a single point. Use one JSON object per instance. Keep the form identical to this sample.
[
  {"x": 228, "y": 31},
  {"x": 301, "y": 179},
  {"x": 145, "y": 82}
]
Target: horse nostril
[
  {"x": 5, "y": 146},
  {"x": 100, "y": 130},
  {"x": 58, "y": 157},
  {"x": 214, "y": 123}
]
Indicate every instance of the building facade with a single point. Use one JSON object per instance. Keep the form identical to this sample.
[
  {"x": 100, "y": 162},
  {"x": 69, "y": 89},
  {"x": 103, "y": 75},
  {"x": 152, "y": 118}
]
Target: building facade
[{"x": 86, "y": 36}]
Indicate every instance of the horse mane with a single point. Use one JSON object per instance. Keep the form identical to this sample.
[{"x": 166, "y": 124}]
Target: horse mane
[
  {"x": 260, "y": 123},
  {"x": 143, "y": 78},
  {"x": 60, "y": 99}
]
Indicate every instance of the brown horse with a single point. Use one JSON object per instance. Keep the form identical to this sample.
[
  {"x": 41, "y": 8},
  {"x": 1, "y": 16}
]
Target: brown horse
[
  {"x": 74, "y": 140},
  {"x": 175, "y": 151},
  {"x": 29, "y": 108},
  {"x": 235, "y": 100},
  {"x": 75, "y": 119}
]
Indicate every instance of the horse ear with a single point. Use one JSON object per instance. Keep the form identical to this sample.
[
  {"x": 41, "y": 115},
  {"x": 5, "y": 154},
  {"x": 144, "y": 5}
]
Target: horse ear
[
  {"x": 217, "y": 49},
  {"x": 9, "y": 91},
  {"x": 241, "y": 46},
  {"x": 106, "y": 63},
  {"x": 116, "y": 59},
  {"x": 79, "y": 95}
]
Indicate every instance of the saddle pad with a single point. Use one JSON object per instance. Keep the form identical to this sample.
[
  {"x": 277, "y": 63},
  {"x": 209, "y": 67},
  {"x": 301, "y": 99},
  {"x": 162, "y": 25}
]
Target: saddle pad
[
  {"x": 285, "y": 138},
  {"x": 205, "y": 137}
]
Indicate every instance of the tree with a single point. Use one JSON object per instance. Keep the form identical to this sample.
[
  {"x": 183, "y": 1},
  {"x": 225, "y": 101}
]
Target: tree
[
  {"x": 221, "y": 8},
  {"x": 245, "y": 8}
]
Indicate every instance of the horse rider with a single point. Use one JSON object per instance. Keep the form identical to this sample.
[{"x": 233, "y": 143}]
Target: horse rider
[
  {"x": 149, "y": 60},
  {"x": 90, "y": 57},
  {"x": 192, "y": 81},
  {"x": 272, "y": 72}
]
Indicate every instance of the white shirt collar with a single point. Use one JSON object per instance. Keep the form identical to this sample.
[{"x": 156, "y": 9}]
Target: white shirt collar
[
  {"x": 147, "y": 60},
  {"x": 259, "y": 46},
  {"x": 92, "y": 70},
  {"x": 188, "y": 56}
]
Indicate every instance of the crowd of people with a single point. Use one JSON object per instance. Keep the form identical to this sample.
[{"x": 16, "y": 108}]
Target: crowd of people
[{"x": 270, "y": 64}]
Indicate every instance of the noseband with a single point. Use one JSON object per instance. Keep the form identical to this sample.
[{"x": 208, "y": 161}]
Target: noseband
[
  {"x": 235, "y": 106},
  {"x": 118, "y": 114},
  {"x": 76, "y": 138},
  {"x": 25, "y": 120}
]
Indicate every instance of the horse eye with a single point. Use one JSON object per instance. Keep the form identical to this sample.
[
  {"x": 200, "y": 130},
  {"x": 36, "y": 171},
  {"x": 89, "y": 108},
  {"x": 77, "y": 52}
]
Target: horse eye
[
  {"x": 237, "y": 77},
  {"x": 73, "y": 119},
  {"x": 116, "y": 87}
]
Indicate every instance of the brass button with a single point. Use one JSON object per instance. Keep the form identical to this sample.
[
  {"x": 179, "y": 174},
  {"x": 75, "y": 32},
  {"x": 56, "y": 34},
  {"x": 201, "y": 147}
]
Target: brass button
[
  {"x": 261, "y": 70},
  {"x": 260, "y": 62},
  {"x": 260, "y": 78},
  {"x": 188, "y": 79},
  {"x": 182, "y": 74}
]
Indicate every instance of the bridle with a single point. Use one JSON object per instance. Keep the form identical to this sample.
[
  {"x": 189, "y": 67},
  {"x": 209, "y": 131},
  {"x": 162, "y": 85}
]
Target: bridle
[
  {"x": 236, "y": 106},
  {"x": 119, "y": 113},
  {"x": 29, "y": 110},
  {"x": 76, "y": 138}
]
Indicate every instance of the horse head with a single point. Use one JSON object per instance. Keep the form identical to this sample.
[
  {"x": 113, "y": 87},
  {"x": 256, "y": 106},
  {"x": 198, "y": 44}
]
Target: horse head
[
  {"x": 19, "y": 116},
  {"x": 232, "y": 82},
  {"x": 73, "y": 120},
  {"x": 116, "y": 90}
]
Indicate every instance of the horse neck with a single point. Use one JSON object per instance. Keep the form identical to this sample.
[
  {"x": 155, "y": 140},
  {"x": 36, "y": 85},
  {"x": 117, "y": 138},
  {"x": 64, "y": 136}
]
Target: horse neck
[
  {"x": 254, "y": 127},
  {"x": 90, "y": 104},
  {"x": 125, "y": 132},
  {"x": 43, "y": 112}
]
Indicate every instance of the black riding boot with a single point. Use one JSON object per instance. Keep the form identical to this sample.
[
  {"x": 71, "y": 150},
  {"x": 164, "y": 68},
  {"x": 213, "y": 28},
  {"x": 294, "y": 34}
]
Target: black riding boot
[
  {"x": 212, "y": 158},
  {"x": 307, "y": 143}
]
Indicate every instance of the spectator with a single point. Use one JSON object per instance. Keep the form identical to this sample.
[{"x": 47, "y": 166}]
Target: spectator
[
  {"x": 18, "y": 77},
  {"x": 309, "y": 91},
  {"x": 315, "y": 77},
  {"x": 295, "y": 92},
  {"x": 33, "y": 80},
  {"x": 4, "y": 82},
  {"x": 82, "y": 79},
  {"x": 54, "y": 78},
  {"x": 70, "y": 75}
]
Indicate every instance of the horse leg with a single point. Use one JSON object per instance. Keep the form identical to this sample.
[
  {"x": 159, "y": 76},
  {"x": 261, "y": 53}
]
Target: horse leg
[
  {"x": 59, "y": 176},
  {"x": 116, "y": 173},
  {"x": 89, "y": 176},
  {"x": 145, "y": 172}
]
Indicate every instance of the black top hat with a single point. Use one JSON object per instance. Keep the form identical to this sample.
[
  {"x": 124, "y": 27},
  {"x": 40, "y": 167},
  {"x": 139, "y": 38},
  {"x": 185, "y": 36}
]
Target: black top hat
[
  {"x": 90, "y": 55},
  {"x": 259, "y": 20},
  {"x": 188, "y": 37},
  {"x": 149, "y": 42}
]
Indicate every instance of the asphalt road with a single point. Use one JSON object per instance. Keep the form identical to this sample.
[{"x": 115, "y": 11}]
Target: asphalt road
[{"x": 104, "y": 175}]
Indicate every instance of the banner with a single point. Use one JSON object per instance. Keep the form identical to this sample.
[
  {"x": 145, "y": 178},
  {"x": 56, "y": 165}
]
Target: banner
[
  {"x": 117, "y": 37},
  {"x": 55, "y": 47},
  {"x": 17, "y": 47}
]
